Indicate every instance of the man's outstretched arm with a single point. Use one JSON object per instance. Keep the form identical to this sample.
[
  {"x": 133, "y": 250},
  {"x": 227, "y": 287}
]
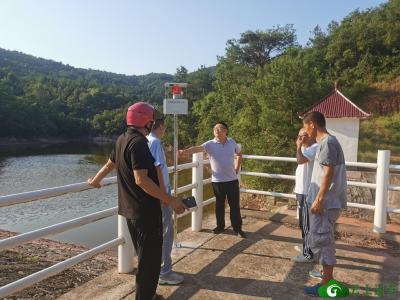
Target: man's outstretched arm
[
  {"x": 103, "y": 172},
  {"x": 191, "y": 150}
]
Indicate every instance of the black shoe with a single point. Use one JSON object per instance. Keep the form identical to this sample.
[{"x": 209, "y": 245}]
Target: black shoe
[
  {"x": 241, "y": 233},
  {"x": 217, "y": 230}
]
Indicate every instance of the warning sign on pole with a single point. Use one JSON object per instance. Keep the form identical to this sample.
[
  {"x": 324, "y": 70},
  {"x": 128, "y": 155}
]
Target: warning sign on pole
[{"x": 177, "y": 105}]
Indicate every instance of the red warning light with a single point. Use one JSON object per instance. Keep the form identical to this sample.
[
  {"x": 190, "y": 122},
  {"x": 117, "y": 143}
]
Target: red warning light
[{"x": 176, "y": 90}]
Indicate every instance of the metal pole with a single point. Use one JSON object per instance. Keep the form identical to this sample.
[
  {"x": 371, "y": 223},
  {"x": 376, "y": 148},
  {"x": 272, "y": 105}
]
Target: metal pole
[
  {"x": 175, "y": 175},
  {"x": 381, "y": 193},
  {"x": 175, "y": 155}
]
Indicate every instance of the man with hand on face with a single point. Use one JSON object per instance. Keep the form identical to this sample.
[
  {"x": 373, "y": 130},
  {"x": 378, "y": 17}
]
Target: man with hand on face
[
  {"x": 221, "y": 151},
  {"x": 326, "y": 196},
  {"x": 139, "y": 195},
  {"x": 305, "y": 154}
]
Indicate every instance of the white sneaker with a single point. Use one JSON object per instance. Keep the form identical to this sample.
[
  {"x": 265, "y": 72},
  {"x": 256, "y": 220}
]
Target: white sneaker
[
  {"x": 315, "y": 274},
  {"x": 171, "y": 278},
  {"x": 299, "y": 248},
  {"x": 302, "y": 259}
]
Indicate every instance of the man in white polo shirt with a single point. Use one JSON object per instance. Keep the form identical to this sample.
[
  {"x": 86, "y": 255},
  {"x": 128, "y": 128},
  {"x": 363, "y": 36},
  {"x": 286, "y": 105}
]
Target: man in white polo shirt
[{"x": 221, "y": 151}]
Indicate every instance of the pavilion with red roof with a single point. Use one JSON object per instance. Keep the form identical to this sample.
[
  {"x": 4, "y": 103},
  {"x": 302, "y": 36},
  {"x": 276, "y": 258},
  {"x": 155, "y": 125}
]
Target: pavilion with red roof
[{"x": 342, "y": 120}]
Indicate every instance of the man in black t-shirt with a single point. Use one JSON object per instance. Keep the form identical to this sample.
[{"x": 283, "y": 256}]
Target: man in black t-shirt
[{"x": 139, "y": 195}]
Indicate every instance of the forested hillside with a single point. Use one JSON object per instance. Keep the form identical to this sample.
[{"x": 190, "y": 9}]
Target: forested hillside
[{"x": 40, "y": 97}]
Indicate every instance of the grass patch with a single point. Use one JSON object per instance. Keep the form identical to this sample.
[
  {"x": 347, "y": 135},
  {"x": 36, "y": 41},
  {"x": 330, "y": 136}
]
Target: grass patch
[{"x": 380, "y": 133}]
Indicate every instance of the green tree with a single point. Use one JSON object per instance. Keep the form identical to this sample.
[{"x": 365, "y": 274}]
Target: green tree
[{"x": 257, "y": 48}]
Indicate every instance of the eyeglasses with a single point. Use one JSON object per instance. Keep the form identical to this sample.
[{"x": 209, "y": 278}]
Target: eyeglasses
[{"x": 304, "y": 135}]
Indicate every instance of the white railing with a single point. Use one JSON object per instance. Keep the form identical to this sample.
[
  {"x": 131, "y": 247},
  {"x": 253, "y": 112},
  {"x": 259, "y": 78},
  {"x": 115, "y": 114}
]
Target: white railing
[
  {"x": 124, "y": 243},
  {"x": 381, "y": 185},
  {"x": 54, "y": 229}
]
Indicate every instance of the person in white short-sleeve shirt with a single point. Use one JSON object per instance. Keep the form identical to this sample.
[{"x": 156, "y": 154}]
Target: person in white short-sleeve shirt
[
  {"x": 222, "y": 152},
  {"x": 306, "y": 149}
]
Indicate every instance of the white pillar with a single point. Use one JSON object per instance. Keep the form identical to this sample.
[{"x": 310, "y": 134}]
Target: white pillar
[
  {"x": 126, "y": 251},
  {"x": 381, "y": 193},
  {"x": 197, "y": 193}
]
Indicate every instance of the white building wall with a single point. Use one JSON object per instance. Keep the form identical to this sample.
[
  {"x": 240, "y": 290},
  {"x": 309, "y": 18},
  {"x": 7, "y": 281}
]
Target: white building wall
[{"x": 346, "y": 131}]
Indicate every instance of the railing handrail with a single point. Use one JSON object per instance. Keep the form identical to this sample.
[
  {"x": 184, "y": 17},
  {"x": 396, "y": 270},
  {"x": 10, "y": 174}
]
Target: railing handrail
[
  {"x": 24, "y": 197},
  {"x": 29, "y": 280},
  {"x": 41, "y": 194},
  {"x": 182, "y": 167},
  {"x": 347, "y": 163},
  {"x": 293, "y": 196},
  {"x": 269, "y": 158},
  {"x": 82, "y": 186},
  {"x": 18, "y": 198},
  {"x": 56, "y": 228},
  {"x": 292, "y": 177}
]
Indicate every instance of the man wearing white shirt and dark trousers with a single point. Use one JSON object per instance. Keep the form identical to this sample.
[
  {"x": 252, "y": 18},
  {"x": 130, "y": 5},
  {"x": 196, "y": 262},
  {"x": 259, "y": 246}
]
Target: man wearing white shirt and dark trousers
[
  {"x": 305, "y": 154},
  {"x": 222, "y": 150}
]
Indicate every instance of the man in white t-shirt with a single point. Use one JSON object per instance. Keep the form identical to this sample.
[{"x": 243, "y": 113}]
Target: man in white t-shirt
[
  {"x": 222, "y": 152},
  {"x": 305, "y": 155}
]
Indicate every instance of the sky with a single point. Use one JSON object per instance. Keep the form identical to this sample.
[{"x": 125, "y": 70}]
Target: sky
[{"x": 139, "y": 37}]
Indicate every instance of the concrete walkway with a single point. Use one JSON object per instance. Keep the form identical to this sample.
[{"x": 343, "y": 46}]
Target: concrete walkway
[{"x": 226, "y": 266}]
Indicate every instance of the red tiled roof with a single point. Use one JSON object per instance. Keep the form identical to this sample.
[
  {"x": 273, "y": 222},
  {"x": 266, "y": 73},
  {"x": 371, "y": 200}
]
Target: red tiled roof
[{"x": 336, "y": 105}]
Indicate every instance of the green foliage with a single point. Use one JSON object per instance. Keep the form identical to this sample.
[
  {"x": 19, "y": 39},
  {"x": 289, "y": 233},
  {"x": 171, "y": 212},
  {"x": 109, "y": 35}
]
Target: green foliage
[
  {"x": 41, "y": 98},
  {"x": 257, "y": 48},
  {"x": 264, "y": 81},
  {"x": 110, "y": 122},
  {"x": 381, "y": 132},
  {"x": 365, "y": 47}
]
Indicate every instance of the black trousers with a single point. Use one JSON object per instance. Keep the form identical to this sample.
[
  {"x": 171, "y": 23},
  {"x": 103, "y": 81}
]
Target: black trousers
[
  {"x": 147, "y": 240},
  {"x": 304, "y": 224},
  {"x": 230, "y": 190}
]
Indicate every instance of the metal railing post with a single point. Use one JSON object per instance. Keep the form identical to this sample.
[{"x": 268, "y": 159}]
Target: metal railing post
[
  {"x": 381, "y": 194},
  {"x": 126, "y": 251},
  {"x": 197, "y": 177}
]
